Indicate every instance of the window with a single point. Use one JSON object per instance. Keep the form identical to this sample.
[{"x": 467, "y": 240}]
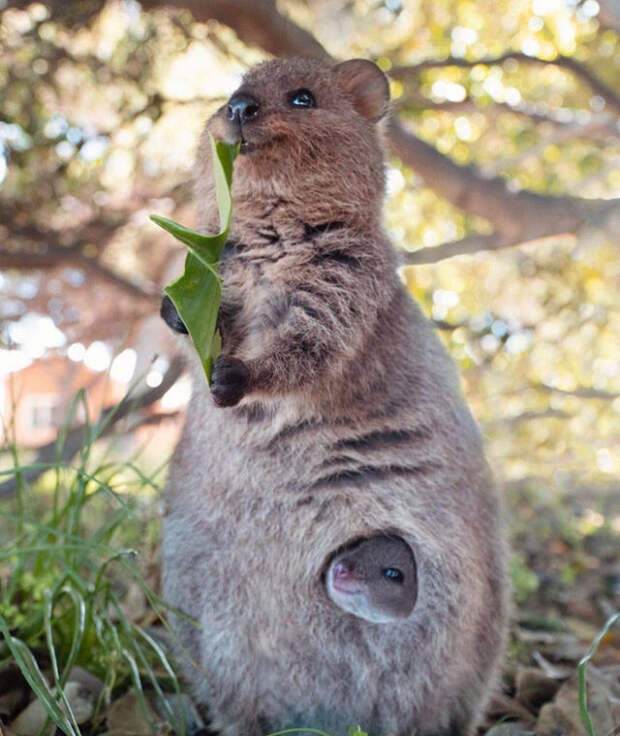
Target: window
[{"x": 41, "y": 412}]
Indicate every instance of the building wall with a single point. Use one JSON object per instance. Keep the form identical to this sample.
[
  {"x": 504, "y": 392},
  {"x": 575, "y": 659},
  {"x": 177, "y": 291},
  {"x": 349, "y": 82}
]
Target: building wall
[{"x": 36, "y": 400}]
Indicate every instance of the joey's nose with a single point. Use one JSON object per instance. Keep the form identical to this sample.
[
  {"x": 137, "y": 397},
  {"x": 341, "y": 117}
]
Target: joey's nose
[
  {"x": 242, "y": 107},
  {"x": 343, "y": 571}
]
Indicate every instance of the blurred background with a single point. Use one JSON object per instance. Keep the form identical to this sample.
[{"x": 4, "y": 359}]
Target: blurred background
[{"x": 503, "y": 194}]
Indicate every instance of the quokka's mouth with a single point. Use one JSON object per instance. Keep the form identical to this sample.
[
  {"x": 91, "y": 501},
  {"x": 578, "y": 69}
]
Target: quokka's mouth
[
  {"x": 250, "y": 147},
  {"x": 348, "y": 588},
  {"x": 253, "y": 146},
  {"x": 344, "y": 590},
  {"x": 247, "y": 147}
]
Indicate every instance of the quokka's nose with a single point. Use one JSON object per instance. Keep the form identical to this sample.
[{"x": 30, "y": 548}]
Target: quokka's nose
[{"x": 242, "y": 107}]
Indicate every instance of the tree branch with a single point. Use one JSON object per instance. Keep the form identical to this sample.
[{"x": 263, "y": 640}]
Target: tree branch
[
  {"x": 465, "y": 246},
  {"x": 581, "y": 392},
  {"x": 77, "y": 436},
  {"x": 609, "y": 14},
  {"x": 257, "y": 23},
  {"x": 444, "y": 325},
  {"x": 404, "y": 73},
  {"x": 601, "y": 127},
  {"x": 490, "y": 198},
  {"x": 150, "y": 293},
  {"x": 517, "y": 217},
  {"x": 49, "y": 255},
  {"x": 527, "y": 416}
]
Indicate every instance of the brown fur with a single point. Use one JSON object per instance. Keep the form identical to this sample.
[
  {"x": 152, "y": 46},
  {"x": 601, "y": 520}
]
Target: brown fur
[{"x": 350, "y": 422}]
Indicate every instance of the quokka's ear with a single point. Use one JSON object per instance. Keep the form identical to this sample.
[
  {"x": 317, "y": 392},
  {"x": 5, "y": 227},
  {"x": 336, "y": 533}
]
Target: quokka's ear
[{"x": 367, "y": 86}]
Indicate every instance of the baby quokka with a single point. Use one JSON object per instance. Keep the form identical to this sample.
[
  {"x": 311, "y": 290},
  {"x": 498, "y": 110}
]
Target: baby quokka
[
  {"x": 375, "y": 579},
  {"x": 332, "y": 446}
]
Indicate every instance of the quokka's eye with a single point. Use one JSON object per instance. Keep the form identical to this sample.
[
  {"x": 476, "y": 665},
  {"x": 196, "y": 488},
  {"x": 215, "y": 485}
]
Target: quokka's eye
[
  {"x": 301, "y": 98},
  {"x": 393, "y": 574}
]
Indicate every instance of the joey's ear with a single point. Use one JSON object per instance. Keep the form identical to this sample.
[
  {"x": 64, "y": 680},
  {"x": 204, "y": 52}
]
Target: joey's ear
[{"x": 367, "y": 85}]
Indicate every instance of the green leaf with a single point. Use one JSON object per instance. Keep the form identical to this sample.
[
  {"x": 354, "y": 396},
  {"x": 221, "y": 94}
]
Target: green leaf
[
  {"x": 206, "y": 248},
  {"x": 197, "y": 294},
  {"x": 225, "y": 155}
]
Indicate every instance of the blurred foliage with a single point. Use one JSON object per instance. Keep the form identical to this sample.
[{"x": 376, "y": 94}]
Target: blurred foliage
[
  {"x": 101, "y": 105},
  {"x": 68, "y": 583}
]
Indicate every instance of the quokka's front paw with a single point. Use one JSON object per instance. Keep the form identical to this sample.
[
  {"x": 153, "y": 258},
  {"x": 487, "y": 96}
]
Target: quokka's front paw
[{"x": 230, "y": 381}]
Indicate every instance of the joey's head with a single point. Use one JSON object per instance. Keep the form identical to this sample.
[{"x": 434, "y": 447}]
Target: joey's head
[
  {"x": 308, "y": 134},
  {"x": 376, "y": 579}
]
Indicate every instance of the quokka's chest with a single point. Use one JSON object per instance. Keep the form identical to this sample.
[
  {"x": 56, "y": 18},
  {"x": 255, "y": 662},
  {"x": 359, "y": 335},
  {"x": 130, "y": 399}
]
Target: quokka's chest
[
  {"x": 256, "y": 260},
  {"x": 258, "y": 284}
]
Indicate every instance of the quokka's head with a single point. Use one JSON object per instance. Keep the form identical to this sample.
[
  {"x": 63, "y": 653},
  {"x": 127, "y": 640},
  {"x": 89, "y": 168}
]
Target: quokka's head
[{"x": 308, "y": 133}]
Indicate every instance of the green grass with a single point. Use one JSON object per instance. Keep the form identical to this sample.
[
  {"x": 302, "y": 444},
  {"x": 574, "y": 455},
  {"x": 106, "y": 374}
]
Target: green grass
[
  {"x": 66, "y": 563},
  {"x": 581, "y": 673},
  {"x": 67, "y": 569}
]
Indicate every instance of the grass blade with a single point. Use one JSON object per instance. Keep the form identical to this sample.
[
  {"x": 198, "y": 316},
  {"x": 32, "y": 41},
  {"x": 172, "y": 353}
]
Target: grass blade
[
  {"x": 581, "y": 673},
  {"x": 33, "y": 675},
  {"x": 300, "y": 730}
]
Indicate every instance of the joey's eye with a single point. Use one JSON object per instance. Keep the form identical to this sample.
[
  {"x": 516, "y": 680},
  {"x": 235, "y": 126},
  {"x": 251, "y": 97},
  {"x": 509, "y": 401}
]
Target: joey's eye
[
  {"x": 393, "y": 574},
  {"x": 301, "y": 98}
]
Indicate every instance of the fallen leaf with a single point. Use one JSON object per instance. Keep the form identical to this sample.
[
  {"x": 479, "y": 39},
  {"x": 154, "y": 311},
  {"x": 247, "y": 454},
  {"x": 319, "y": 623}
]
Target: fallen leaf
[
  {"x": 134, "y": 604},
  {"x": 502, "y": 706},
  {"x": 183, "y": 709},
  {"x": 127, "y": 715},
  {"x": 563, "y": 716},
  {"x": 558, "y": 672},
  {"x": 558, "y": 646},
  {"x": 534, "y": 687}
]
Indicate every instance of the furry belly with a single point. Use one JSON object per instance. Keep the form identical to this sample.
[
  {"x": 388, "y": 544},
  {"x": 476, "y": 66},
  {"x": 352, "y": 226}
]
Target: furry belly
[
  {"x": 265, "y": 625},
  {"x": 271, "y": 643},
  {"x": 252, "y": 523}
]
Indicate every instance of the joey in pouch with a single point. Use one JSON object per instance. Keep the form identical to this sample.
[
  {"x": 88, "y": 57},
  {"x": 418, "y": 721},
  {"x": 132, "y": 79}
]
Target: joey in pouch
[{"x": 374, "y": 579}]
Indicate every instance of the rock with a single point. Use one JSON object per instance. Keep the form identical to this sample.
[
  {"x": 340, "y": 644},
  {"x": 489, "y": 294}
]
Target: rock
[
  {"x": 11, "y": 702},
  {"x": 81, "y": 701},
  {"x": 14, "y": 691},
  {"x": 87, "y": 681},
  {"x": 31, "y": 720},
  {"x": 511, "y": 728},
  {"x": 5, "y": 730}
]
